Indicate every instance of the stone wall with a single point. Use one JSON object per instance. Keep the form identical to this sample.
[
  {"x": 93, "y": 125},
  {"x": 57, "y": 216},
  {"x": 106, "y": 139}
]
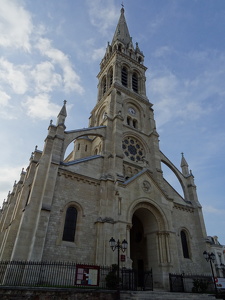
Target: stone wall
[{"x": 22, "y": 293}]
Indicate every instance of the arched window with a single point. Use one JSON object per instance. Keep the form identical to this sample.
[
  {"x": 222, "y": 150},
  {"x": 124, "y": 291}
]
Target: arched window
[
  {"x": 124, "y": 76},
  {"x": 128, "y": 121},
  {"x": 103, "y": 85},
  {"x": 135, "y": 123},
  {"x": 110, "y": 77},
  {"x": 184, "y": 244},
  {"x": 135, "y": 82},
  {"x": 70, "y": 224},
  {"x": 86, "y": 148}
]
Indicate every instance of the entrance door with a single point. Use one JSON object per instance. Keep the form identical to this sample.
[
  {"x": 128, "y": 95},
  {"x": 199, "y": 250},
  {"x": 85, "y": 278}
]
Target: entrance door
[
  {"x": 138, "y": 249},
  {"x": 147, "y": 246},
  {"x": 140, "y": 272},
  {"x": 143, "y": 242}
]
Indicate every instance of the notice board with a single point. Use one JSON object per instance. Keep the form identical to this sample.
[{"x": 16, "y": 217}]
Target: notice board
[{"x": 87, "y": 275}]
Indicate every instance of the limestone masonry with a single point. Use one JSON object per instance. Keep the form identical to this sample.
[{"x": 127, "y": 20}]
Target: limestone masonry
[{"x": 110, "y": 185}]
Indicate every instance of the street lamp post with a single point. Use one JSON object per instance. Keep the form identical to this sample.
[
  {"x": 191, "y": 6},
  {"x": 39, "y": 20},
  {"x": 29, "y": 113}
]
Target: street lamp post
[
  {"x": 211, "y": 258},
  {"x": 119, "y": 246}
]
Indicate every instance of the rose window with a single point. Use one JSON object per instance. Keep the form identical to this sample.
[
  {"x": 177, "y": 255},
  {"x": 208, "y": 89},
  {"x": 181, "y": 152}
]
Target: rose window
[{"x": 132, "y": 149}]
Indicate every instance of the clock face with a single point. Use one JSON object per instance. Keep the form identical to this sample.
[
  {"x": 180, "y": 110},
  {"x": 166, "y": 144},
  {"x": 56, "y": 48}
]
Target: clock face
[
  {"x": 131, "y": 111},
  {"x": 133, "y": 149}
]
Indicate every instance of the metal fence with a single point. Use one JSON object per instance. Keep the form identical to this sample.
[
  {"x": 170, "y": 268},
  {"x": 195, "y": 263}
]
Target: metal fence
[
  {"x": 61, "y": 274},
  {"x": 189, "y": 283},
  {"x": 30, "y": 273}
]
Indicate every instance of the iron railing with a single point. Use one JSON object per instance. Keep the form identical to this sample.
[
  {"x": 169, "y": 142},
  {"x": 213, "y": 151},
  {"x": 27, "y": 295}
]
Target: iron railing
[
  {"x": 61, "y": 274},
  {"x": 189, "y": 283}
]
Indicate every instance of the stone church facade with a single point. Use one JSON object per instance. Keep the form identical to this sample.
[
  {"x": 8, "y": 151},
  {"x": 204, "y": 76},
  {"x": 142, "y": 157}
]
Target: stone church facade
[{"x": 110, "y": 185}]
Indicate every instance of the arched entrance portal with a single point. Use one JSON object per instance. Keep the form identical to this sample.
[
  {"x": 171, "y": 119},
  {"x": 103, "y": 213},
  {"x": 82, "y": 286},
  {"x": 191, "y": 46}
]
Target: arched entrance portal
[{"x": 145, "y": 236}]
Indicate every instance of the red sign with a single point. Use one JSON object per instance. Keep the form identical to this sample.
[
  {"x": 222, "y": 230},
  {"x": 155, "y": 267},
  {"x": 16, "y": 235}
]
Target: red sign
[{"x": 122, "y": 257}]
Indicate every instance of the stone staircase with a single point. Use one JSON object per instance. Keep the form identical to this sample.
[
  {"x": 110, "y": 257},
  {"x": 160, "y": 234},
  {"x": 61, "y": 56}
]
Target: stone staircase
[{"x": 160, "y": 295}]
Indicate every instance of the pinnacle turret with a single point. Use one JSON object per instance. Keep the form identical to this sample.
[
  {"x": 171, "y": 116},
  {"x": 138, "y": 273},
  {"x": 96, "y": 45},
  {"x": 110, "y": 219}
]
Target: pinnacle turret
[
  {"x": 184, "y": 165},
  {"x": 62, "y": 114}
]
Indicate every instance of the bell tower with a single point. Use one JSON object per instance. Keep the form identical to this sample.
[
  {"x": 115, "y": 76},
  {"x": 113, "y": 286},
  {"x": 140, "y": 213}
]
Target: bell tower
[
  {"x": 122, "y": 106},
  {"x": 122, "y": 63}
]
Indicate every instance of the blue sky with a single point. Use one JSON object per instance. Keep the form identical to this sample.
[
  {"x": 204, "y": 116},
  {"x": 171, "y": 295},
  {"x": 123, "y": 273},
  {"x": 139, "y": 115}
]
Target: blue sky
[{"x": 51, "y": 50}]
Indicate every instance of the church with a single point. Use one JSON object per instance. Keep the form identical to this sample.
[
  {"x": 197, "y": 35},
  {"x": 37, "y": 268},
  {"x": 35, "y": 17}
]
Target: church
[{"x": 68, "y": 207}]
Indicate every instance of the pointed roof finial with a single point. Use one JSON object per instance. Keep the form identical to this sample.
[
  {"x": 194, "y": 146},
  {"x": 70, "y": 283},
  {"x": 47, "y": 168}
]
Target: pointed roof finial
[
  {"x": 122, "y": 33},
  {"x": 62, "y": 115},
  {"x": 184, "y": 165},
  {"x": 183, "y": 161},
  {"x": 63, "y": 109}
]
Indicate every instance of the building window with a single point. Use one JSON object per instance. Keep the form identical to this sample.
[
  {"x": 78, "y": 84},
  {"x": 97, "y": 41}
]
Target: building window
[
  {"x": 124, "y": 76},
  {"x": 104, "y": 85},
  {"x": 184, "y": 244},
  {"x": 128, "y": 121},
  {"x": 135, "y": 82},
  {"x": 70, "y": 224},
  {"x": 110, "y": 77},
  {"x": 135, "y": 124}
]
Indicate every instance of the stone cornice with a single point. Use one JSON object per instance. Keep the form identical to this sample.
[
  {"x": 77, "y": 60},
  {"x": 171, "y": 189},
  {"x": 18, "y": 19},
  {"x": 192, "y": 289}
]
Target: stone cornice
[
  {"x": 78, "y": 177},
  {"x": 183, "y": 207},
  {"x": 131, "y": 94}
]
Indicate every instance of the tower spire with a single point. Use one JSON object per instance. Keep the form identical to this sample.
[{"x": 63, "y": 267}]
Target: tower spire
[{"x": 122, "y": 33}]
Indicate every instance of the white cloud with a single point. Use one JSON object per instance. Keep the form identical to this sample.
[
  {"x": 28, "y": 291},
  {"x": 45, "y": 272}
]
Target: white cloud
[
  {"x": 45, "y": 77},
  {"x": 98, "y": 9},
  {"x": 40, "y": 107},
  {"x": 7, "y": 177},
  {"x": 13, "y": 76},
  {"x": 212, "y": 210},
  {"x": 156, "y": 23},
  {"x": 71, "y": 79},
  {"x": 7, "y": 111},
  {"x": 98, "y": 54},
  {"x": 15, "y": 25},
  {"x": 4, "y": 99},
  {"x": 162, "y": 51},
  {"x": 179, "y": 98}
]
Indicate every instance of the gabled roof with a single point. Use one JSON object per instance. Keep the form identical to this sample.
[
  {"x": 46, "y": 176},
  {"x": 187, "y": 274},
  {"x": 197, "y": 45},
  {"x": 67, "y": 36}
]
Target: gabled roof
[{"x": 145, "y": 171}]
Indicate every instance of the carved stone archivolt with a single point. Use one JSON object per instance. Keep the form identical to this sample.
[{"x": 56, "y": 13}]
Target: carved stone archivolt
[{"x": 152, "y": 209}]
